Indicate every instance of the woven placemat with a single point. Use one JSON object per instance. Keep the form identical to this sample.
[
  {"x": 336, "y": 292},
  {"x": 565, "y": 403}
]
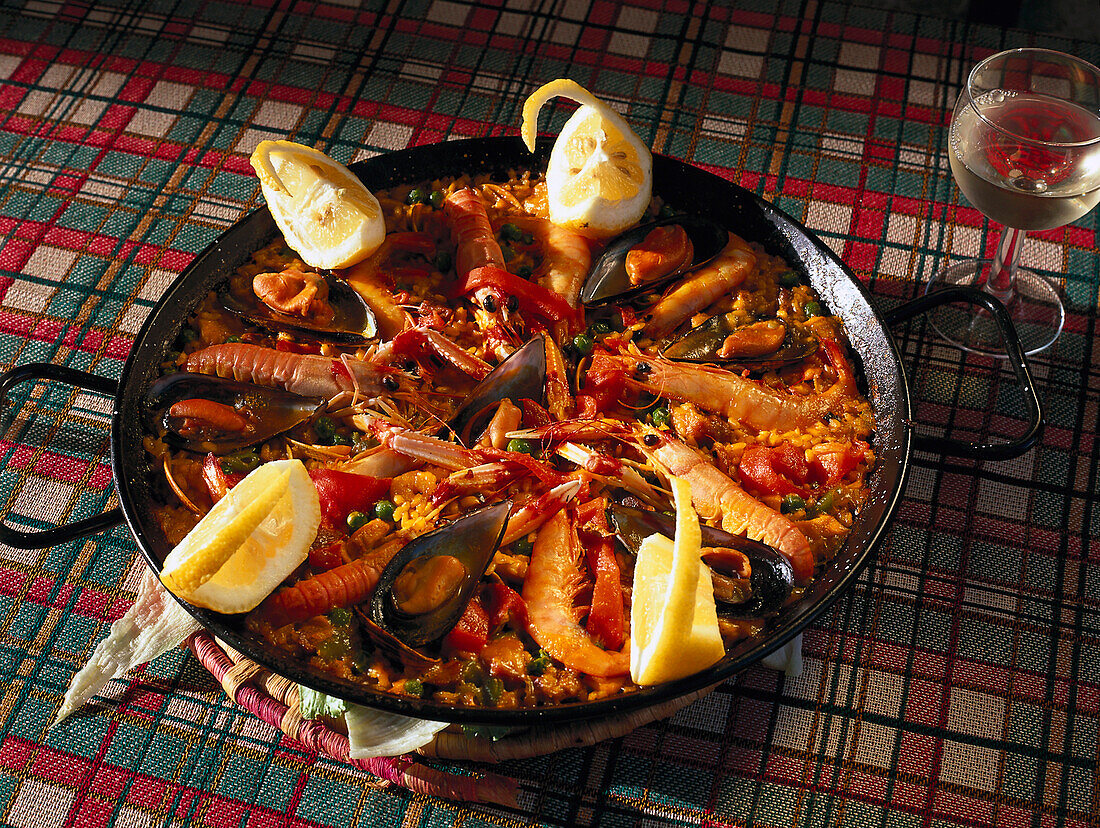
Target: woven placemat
[{"x": 274, "y": 699}]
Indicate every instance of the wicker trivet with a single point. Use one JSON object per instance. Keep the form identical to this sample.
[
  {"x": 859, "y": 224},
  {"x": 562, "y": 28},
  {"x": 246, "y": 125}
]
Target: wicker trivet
[{"x": 275, "y": 700}]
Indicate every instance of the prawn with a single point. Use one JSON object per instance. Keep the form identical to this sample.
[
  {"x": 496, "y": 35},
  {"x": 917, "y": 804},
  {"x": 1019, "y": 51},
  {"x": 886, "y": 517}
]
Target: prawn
[
  {"x": 566, "y": 256},
  {"x": 701, "y": 287},
  {"x": 372, "y": 280},
  {"x": 747, "y": 401},
  {"x": 716, "y": 495},
  {"x": 552, "y": 582},
  {"x": 307, "y": 374}
]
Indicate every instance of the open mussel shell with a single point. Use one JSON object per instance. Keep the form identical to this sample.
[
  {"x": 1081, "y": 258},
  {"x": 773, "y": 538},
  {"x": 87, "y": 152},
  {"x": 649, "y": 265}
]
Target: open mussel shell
[
  {"x": 608, "y": 279},
  {"x": 521, "y": 376},
  {"x": 353, "y": 321},
  {"x": 438, "y": 591},
  {"x": 729, "y": 339},
  {"x": 213, "y": 414},
  {"x": 772, "y": 577}
]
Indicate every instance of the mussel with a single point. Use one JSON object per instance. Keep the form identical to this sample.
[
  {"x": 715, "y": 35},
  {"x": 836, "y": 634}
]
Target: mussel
[
  {"x": 347, "y": 320},
  {"x": 423, "y": 591},
  {"x": 521, "y": 376},
  {"x": 212, "y": 414},
  {"x": 756, "y": 344},
  {"x": 771, "y": 579},
  {"x": 609, "y": 280}
]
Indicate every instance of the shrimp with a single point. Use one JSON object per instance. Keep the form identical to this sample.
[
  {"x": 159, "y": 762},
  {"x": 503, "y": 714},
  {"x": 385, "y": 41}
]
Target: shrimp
[
  {"x": 552, "y": 582},
  {"x": 715, "y": 495},
  {"x": 747, "y": 401},
  {"x": 566, "y": 257},
  {"x": 475, "y": 244},
  {"x": 372, "y": 280},
  {"x": 307, "y": 374},
  {"x": 701, "y": 287}
]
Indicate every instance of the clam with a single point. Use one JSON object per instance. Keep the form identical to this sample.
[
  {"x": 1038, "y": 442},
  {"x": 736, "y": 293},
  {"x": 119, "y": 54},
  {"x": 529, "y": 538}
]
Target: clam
[
  {"x": 345, "y": 319},
  {"x": 521, "y": 376},
  {"x": 729, "y": 338},
  {"x": 609, "y": 278},
  {"x": 212, "y": 414},
  {"x": 771, "y": 578},
  {"x": 423, "y": 591}
]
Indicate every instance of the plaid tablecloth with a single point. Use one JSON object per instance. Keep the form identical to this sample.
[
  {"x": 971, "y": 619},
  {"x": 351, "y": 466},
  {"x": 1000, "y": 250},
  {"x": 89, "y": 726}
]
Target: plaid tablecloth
[{"x": 957, "y": 683}]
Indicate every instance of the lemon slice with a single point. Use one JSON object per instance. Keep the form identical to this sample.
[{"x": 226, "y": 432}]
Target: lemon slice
[
  {"x": 249, "y": 542},
  {"x": 323, "y": 210},
  {"x": 673, "y": 619},
  {"x": 600, "y": 177}
]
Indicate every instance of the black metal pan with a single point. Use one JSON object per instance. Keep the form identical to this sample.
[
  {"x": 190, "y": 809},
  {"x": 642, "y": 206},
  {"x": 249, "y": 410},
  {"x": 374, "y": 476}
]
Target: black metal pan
[{"x": 680, "y": 184}]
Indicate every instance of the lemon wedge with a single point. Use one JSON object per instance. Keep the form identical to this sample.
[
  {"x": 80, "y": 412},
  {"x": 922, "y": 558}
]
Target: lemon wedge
[
  {"x": 251, "y": 540},
  {"x": 673, "y": 619},
  {"x": 323, "y": 210},
  {"x": 599, "y": 180}
]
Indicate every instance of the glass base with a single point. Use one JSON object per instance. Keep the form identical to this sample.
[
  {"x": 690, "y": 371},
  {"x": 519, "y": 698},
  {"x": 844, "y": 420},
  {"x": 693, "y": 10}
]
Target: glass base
[{"x": 1035, "y": 309}]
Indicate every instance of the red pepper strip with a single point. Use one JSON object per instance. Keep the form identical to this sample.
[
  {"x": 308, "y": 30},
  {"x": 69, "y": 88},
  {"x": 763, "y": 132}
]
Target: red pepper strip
[
  {"x": 293, "y": 347},
  {"x": 326, "y": 556},
  {"x": 342, "y": 493},
  {"x": 505, "y": 604},
  {"x": 409, "y": 241},
  {"x": 830, "y": 467},
  {"x": 217, "y": 481},
  {"x": 778, "y": 470},
  {"x": 606, "y": 617},
  {"x": 471, "y": 633},
  {"x": 543, "y": 471},
  {"x": 532, "y": 298},
  {"x": 534, "y": 415}
]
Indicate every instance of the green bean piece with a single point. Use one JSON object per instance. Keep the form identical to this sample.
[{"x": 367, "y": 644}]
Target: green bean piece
[
  {"x": 472, "y": 672},
  {"x": 537, "y": 666},
  {"x": 826, "y": 501},
  {"x": 494, "y": 689},
  {"x": 791, "y": 503},
  {"x": 384, "y": 509},
  {"x": 414, "y": 688},
  {"x": 357, "y": 520}
]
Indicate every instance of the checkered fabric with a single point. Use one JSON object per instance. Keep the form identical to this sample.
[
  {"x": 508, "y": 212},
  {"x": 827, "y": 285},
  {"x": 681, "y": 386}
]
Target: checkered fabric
[{"x": 957, "y": 682}]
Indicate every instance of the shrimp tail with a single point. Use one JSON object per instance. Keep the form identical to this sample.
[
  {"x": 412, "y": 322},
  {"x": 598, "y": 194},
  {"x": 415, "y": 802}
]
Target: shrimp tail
[{"x": 343, "y": 586}]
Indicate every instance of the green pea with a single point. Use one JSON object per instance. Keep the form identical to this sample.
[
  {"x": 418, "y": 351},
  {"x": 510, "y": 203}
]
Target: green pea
[
  {"x": 189, "y": 334},
  {"x": 357, "y": 520},
  {"x": 524, "y": 271},
  {"x": 791, "y": 503},
  {"x": 325, "y": 428},
  {"x": 507, "y": 252},
  {"x": 788, "y": 278},
  {"x": 584, "y": 344},
  {"x": 340, "y": 617},
  {"x": 335, "y": 647},
  {"x": 661, "y": 416},
  {"x": 522, "y": 547},
  {"x": 826, "y": 501},
  {"x": 812, "y": 308},
  {"x": 384, "y": 509},
  {"x": 527, "y": 238},
  {"x": 414, "y": 688},
  {"x": 416, "y": 196},
  {"x": 510, "y": 232},
  {"x": 436, "y": 199},
  {"x": 600, "y": 328},
  {"x": 537, "y": 666},
  {"x": 522, "y": 446},
  {"x": 494, "y": 689},
  {"x": 233, "y": 338},
  {"x": 472, "y": 672},
  {"x": 442, "y": 261},
  {"x": 171, "y": 356},
  {"x": 666, "y": 211}
]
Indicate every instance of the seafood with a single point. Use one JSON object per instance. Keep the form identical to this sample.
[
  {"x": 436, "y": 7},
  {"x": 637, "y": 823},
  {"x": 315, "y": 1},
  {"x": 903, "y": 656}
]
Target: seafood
[
  {"x": 550, "y": 588},
  {"x": 716, "y": 496},
  {"x": 317, "y": 306},
  {"x": 209, "y": 413},
  {"x": 609, "y": 279},
  {"x": 701, "y": 287},
  {"x": 749, "y": 401},
  {"x": 306, "y": 374},
  {"x": 521, "y": 376},
  {"x": 565, "y": 256},
  {"x": 757, "y": 345}
]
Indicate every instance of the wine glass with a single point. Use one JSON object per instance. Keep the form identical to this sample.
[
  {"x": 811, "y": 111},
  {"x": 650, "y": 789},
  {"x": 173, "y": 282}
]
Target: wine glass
[{"x": 1024, "y": 148}]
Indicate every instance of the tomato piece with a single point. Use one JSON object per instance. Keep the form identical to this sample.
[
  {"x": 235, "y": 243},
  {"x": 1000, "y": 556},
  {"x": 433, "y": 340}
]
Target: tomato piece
[
  {"x": 770, "y": 469},
  {"x": 342, "y": 493},
  {"x": 604, "y": 386},
  {"x": 471, "y": 633},
  {"x": 326, "y": 557},
  {"x": 829, "y": 468},
  {"x": 297, "y": 347},
  {"x": 505, "y": 604}
]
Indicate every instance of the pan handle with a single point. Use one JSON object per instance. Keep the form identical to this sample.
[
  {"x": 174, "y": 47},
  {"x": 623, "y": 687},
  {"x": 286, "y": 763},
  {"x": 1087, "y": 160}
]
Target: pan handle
[
  {"x": 1016, "y": 358},
  {"x": 81, "y": 528}
]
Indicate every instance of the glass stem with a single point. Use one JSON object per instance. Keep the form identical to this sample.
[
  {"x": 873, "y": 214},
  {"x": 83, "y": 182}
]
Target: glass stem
[{"x": 1002, "y": 270}]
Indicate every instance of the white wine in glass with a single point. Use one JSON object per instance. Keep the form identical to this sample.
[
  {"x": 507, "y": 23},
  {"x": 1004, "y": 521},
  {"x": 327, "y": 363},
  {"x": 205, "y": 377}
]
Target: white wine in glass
[{"x": 1024, "y": 147}]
